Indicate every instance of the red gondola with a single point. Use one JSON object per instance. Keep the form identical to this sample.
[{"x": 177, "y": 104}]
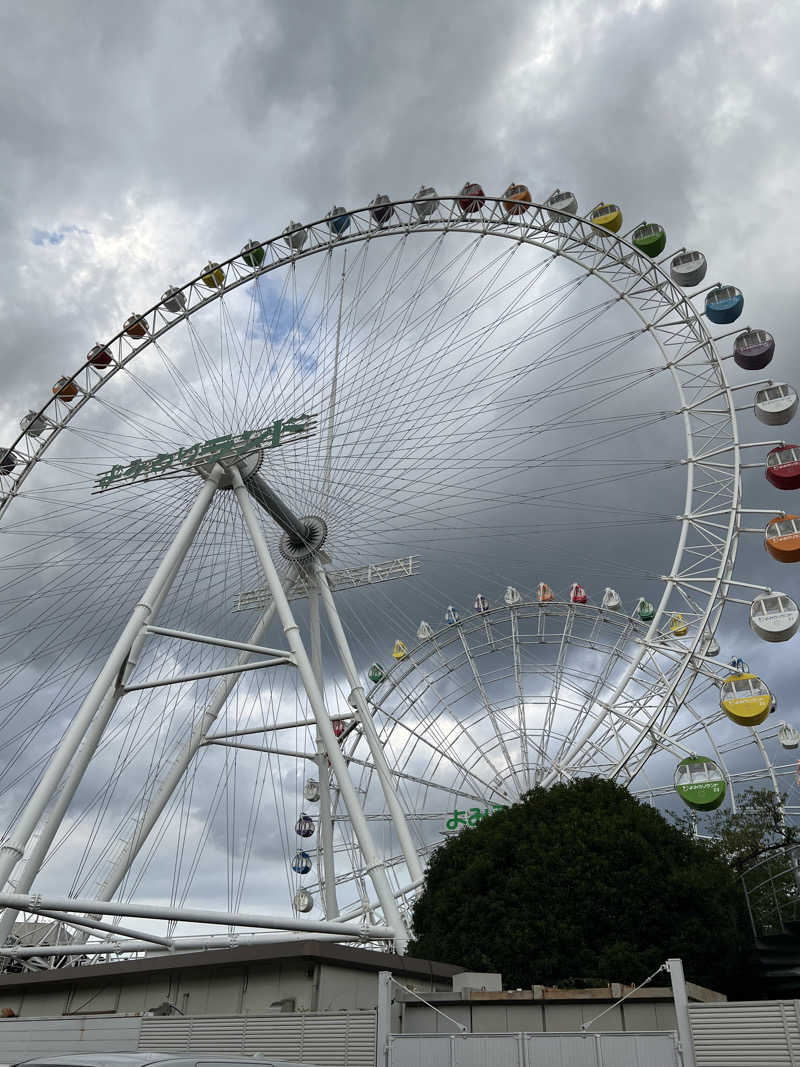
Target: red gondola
[
  {"x": 783, "y": 467},
  {"x": 468, "y": 198},
  {"x": 99, "y": 357},
  {"x": 577, "y": 594}
]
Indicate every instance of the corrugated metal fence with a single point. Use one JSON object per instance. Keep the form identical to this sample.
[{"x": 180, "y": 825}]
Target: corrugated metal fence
[
  {"x": 341, "y": 1039},
  {"x": 753, "y": 1033},
  {"x": 534, "y": 1050}
]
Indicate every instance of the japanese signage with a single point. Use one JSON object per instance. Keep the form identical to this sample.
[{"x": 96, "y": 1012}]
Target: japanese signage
[
  {"x": 471, "y": 816},
  {"x": 206, "y": 453}
]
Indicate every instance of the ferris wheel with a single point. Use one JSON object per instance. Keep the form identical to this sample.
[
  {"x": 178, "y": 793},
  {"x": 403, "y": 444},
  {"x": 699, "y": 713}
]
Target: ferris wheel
[{"x": 216, "y": 523}]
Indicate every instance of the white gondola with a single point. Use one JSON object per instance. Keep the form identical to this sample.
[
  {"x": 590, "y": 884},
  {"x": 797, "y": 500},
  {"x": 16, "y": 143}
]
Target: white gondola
[
  {"x": 512, "y": 596},
  {"x": 611, "y": 600},
  {"x": 311, "y": 791},
  {"x": 295, "y": 235},
  {"x": 481, "y": 604},
  {"x": 425, "y": 201},
  {"x": 774, "y": 617},
  {"x": 788, "y": 736},
  {"x": 560, "y": 204},
  {"x": 173, "y": 300},
  {"x": 424, "y": 631},
  {"x": 303, "y": 901},
  {"x": 451, "y": 615},
  {"x": 710, "y": 645},
  {"x": 688, "y": 268},
  {"x": 776, "y": 404},
  {"x": 33, "y": 425}
]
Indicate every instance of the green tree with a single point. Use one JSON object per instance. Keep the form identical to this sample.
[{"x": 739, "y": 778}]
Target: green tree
[{"x": 582, "y": 883}]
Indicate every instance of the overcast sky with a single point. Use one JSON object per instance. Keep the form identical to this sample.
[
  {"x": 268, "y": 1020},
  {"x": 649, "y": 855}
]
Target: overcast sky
[{"x": 138, "y": 141}]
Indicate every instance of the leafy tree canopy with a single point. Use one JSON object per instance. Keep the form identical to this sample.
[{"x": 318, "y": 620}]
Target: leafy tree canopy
[{"x": 582, "y": 884}]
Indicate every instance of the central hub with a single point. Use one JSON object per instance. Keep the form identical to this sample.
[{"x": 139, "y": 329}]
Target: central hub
[{"x": 296, "y": 548}]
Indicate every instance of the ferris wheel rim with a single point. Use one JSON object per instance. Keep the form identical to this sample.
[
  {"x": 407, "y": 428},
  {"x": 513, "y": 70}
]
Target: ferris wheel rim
[{"x": 535, "y": 221}]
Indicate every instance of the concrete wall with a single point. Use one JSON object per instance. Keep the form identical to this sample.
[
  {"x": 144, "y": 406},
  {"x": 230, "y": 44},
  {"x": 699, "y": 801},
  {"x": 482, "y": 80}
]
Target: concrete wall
[{"x": 251, "y": 989}]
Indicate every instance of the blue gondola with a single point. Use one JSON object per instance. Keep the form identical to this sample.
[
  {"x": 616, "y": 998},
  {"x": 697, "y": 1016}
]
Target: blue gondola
[
  {"x": 724, "y": 304},
  {"x": 301, "y": 864},
  {"x": 451, "y": 615},
  {"x": 481, "y": 604}
]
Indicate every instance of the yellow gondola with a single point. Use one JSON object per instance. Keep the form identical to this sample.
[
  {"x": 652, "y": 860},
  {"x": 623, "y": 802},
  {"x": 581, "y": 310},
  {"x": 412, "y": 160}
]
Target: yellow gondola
[
  {"x": 745, "y": 699},
  {"x": 399, "y": 651},
  {"x": 678, "y": 626},
  {"x": 608, "y": 216}
]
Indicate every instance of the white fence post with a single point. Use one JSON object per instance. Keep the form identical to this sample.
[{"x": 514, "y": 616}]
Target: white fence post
[
  {"x": 681, "y": 1000},
  {"x": 383, "y": 1025}
]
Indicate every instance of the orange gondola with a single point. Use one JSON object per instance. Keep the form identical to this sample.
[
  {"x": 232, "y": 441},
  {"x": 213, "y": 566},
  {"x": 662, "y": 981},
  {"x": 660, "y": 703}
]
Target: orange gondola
[{"x": 782, "y": 538}]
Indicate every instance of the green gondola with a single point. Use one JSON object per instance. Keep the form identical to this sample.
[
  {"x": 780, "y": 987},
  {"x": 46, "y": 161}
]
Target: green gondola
[
  {"x": 376, "y": 673},
  {"x": 700, "y": 783},
  {"x": 650, "y": 238},
  {"x": 253, "y": 254},
  {"x": 645, "y": 610}
]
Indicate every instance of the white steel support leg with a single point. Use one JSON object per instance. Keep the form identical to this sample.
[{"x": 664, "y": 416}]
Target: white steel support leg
[
  {"x": 33, "y": 862},
  {"x": 12, "y": 849},
  {"x": 178, "y": 768},
  {"x": 373, "y": 863},
  {"x": 359, "y": 702},
  {"x": 328, "y": 871}
]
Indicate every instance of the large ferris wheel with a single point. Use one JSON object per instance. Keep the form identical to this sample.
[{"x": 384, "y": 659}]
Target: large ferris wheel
[{"x": 259, "y": 486}]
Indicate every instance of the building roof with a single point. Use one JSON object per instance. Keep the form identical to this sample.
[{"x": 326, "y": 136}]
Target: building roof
[{"x": 314, "y": 951}]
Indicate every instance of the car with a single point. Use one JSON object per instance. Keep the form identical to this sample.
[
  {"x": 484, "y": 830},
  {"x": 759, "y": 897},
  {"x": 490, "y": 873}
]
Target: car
[{"x": 194, "y": 1058}]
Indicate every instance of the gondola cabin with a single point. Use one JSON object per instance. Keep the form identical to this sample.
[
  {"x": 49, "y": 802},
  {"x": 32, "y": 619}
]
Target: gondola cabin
[
  {"x": 301, "y": 864},
  {"x": 381, "y": 209},
  {"x": 311, "y": 791},
  {"x": 516, "y": 199},
  {"x": 608, "y": 216},
  {"x": 688, "y": 268},
  {"x": 399, "y": 651},
  {"x": 451, "y": 615},
  {"x": 645, "y": 610},
  {"x": 32, "y": 424},
  {"x": 304, "y": 827},
  {"x": 295, "y": 235},
  {"x": 338, "y": 220},
  {"x": 745, "y": 699},
  {"x": 135, "y": 326},
  {"x": 700, "y": 783},
  {"x": 470, "y": 199},
  {"x": 577, "y": 594},
  {"x": 173, "y": 300},
  {"x": 753, "y": 349},
  {"x": 724, "y": 304},
  {"x": 544, "y": 594},
  {"x": 710, "y": 645},
  {"x": 424, "y": 631},
  {"x": 253, "y": 254},
  {"x": 512, "y": 596},
  {"x": 98, "y": 356},
  {"x": 650, "y": 238},
  {"x": 213, "y": 276},
  {"x": 376, "y": 673},
  {"x": 775, "y": 405},
  {"x": 303, "y": 901},
  {"x": 611, "y": 600},
  {"x": 561, "y": 203},
  {"x": 338, "y": 727},
  {"x": 425, "y": 202},
  {"x": 788, "y": 737},
  {"x": 678, "y": 626},
  {"x": 782, "y": 467},
  {"x": 65, "y": 390},
  {"x": 481, "y": 604},
  {"x": 774, "y": 617},
  {"x": 782, "y": 538},
  {"x": 8, "y": 461}
]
